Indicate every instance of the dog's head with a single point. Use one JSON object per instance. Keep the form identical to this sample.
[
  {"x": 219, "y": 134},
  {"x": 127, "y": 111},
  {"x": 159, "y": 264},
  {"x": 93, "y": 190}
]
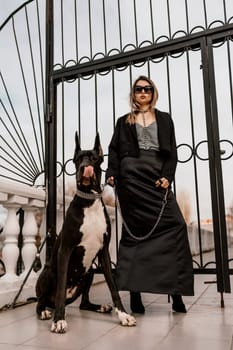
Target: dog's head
[{"x": 87, "y": 164}]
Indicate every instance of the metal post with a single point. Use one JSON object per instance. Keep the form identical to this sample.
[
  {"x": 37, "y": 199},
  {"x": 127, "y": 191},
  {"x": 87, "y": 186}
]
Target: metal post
[
  {"x": 50, "y": 133},
  {"x": 217, "y": 195},
  {"x": 221, "y": 222}
]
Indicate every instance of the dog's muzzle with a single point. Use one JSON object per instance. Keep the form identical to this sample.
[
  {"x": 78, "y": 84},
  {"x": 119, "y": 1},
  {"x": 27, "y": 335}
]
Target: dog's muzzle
[
  {"x": 87, "y": 175},
  {"x": 88, "y": 171}
]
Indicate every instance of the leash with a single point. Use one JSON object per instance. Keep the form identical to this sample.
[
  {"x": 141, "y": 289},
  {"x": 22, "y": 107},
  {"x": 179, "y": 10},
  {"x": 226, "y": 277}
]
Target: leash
[
  {"x": 164, "y": 202},
  {"x": 29, "y": 300},
  {"x": 12, "y": 306}
]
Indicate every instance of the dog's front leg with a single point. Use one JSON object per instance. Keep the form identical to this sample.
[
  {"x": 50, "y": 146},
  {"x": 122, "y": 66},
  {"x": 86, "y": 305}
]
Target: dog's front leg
[
  {"x": 59, "y": 324},
  {"x": 124, "y": 317},
  {"x": 85, "y": 302},
  {"x": 44, "y": 287}
]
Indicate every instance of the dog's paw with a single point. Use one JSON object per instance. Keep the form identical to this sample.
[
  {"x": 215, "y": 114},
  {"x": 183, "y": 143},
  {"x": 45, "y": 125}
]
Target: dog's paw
[
  {"x": 96, "y": 307},
  {"x": 45, "y": 315},
  {"x": 59, "y": 327},
  {"x": 125, "y": 319},
  {"x": 107, "y": 308}
]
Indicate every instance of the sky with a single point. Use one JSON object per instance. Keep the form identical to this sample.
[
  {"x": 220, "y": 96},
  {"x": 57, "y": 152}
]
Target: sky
[
  {"x": 7, "y": 7},
  {"x": 179, "y": 88}
]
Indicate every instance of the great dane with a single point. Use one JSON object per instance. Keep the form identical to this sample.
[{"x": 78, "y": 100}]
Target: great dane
[{"x": 84, "y": 237}]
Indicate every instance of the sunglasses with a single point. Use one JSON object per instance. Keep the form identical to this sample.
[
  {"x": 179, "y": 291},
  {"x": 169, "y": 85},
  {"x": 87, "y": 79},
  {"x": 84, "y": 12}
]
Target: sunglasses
[{"x": 147, "y": 89}]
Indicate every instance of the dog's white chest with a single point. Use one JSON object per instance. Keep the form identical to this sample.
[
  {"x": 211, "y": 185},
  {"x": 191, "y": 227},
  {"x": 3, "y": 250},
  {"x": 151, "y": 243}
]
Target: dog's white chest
[{"x": 93, "y": 228}]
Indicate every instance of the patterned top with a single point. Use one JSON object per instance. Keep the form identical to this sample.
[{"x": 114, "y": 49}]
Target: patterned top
[{"x": 148, "y": 136}]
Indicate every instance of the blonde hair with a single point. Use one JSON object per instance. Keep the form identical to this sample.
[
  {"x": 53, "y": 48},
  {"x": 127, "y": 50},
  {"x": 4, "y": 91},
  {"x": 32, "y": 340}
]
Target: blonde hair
[{"x": 134, "y": 107}]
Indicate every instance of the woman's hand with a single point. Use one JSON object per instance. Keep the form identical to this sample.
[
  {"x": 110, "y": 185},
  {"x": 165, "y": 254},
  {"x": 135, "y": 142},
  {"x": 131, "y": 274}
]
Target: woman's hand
[
  {"x": 162, "y": 182},
  {"x": 110, "y": 181}
]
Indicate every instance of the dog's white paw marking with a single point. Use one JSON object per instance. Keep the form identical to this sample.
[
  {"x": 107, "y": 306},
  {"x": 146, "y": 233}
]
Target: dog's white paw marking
[
  {"x": 105, "y": 308},
  {"x": 125, "y": 319},
  {"x": 59, "y": 326},
  {"x": 45, "y": 315}
]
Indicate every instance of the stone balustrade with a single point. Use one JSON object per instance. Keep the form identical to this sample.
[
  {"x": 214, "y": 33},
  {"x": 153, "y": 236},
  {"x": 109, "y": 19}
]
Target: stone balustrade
[{"x": 14, "y": 196}]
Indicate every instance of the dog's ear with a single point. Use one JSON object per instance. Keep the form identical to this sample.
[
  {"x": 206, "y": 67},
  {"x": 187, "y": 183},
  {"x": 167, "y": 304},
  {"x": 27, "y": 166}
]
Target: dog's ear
[
  {"x": 97, "y": 146},
  {"x": 77, "y": 146}
]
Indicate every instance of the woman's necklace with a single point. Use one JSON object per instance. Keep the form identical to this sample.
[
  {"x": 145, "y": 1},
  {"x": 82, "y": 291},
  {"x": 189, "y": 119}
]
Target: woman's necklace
[
  {"x": 145, "y": 135},
  {"x": 143, "y": 115},
  {"x": 144, "y": 118}
]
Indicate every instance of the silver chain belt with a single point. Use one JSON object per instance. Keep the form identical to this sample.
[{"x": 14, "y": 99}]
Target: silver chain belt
[{"x": 164, "y": 202}]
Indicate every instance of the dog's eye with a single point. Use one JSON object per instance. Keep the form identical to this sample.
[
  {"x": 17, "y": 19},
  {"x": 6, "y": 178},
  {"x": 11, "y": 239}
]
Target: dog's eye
[{"x": 94, "y": 157}]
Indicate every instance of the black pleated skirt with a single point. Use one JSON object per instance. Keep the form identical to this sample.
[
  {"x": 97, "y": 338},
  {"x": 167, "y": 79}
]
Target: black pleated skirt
[{"x": 154, "y": 260}]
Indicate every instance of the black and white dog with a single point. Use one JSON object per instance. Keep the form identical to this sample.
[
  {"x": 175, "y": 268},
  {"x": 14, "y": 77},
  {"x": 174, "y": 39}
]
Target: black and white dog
[{"x": 85, "y": 235}]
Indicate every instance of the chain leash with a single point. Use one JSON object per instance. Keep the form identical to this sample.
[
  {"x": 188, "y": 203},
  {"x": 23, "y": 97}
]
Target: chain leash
[{"x": 164, "y": 202}]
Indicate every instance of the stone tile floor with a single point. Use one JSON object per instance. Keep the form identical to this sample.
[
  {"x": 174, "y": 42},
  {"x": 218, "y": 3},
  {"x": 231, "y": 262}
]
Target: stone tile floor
[{"x": 205, "y": 326}]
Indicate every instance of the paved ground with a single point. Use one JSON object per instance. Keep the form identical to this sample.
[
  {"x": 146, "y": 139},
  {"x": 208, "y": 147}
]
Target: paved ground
[{"x": 205, "y": 326}]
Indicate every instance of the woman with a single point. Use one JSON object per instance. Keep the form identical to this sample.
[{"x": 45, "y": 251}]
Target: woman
[{"x": 154, "y": 253}]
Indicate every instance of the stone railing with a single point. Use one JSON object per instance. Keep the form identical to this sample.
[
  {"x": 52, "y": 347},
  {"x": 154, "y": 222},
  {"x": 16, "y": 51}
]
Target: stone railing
[
  {"x": 207, "y": 239},
  {"x": 14, "y": 196}
]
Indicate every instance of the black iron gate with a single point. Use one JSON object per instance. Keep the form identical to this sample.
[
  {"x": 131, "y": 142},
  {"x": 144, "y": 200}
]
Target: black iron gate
[
  {"x": 88, "y": 92},
  {"x": 203, "y": 42}
]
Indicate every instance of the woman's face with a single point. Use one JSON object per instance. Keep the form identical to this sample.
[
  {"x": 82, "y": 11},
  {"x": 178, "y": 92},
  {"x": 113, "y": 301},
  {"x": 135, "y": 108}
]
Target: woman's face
[{"x": 143, "y": 92}]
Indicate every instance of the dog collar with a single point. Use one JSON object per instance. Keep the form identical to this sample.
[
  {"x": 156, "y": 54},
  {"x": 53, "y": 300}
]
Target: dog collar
[{"x": 86, "y": 195}]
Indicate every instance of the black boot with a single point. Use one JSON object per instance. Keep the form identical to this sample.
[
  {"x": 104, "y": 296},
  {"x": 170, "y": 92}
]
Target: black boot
[
  {"x": 178, "y": 304},
  {"x": 136, "y": 304}
]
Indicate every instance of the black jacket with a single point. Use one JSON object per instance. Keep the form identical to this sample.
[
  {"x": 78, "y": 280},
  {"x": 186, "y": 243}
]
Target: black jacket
[{"x": 124, "y": 143}]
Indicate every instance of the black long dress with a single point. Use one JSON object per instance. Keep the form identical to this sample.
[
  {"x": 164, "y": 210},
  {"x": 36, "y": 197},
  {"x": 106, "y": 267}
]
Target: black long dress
[{"x": 162, "y": 262}]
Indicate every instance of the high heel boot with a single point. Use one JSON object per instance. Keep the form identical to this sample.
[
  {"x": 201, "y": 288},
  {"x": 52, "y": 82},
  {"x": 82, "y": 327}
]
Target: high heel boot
[
  {"x": 178, "y": 304},
  {"x": 136, "y": 304}
]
